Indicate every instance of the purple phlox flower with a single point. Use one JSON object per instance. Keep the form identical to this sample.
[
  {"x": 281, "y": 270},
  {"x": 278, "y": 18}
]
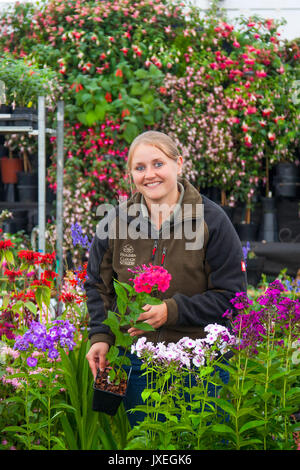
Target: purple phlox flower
[
  {"x": 53, "y": 353},
  {"x": 62, "y": 332},
  {"x": 32, "y": 361},
  {"x": 53, "y": 333},
  {"x": 241, "y": 301},
  {"x": 21, "y": 343},
  {"x": 67, "y": 342}
]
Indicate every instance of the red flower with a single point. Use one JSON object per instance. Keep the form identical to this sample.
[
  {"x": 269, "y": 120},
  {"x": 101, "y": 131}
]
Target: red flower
[
  {"x": 119, "y": 73},
  {"x": 47, "y": 258},
  {"x": 163, "y": 90},
  {"x": 12, "y": 274},
  {"x": 108, "y": 97},
  {"x": 41, "y": 282},
  {"x": 5, "y": 244},
  {"x": 29, "y": 256},
  {"x": 48, "y": 274}
]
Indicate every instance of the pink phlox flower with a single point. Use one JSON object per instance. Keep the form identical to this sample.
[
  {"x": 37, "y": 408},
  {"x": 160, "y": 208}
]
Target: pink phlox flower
[{"x": 150, "y": 277}]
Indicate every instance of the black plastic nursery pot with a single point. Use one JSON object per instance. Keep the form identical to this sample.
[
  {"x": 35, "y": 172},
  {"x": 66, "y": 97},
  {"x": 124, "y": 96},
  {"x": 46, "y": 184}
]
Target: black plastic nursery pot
[
  {"x": 27, "y": 193},
  {"x": 105, "y": 401},
  {"x": 286, "y": 181},
  {"x": 23, "y": 116},
  {"x": 247, "y": 232}
]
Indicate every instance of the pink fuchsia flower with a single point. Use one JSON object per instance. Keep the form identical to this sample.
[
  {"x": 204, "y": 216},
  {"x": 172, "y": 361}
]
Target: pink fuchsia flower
[
  {"x": 271, "y": 136},
  {"x": 261, "y": 73}
]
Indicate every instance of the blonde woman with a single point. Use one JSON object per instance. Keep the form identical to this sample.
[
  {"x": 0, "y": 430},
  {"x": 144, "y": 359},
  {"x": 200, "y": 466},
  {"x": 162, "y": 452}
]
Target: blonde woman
[{"x": 174, "y": 226}]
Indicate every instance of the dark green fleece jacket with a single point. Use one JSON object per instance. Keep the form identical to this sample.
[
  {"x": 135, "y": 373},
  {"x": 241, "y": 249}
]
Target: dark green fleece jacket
[{"x": 199, "y": 248}]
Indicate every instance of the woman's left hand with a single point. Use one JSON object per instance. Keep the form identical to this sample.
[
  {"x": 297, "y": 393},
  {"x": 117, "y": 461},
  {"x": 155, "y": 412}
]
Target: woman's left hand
[{"x": 155, "y": 315}]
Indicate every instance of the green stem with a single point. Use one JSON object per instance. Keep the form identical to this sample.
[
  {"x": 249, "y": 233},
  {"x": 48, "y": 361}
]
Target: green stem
[
  {"x": 287, "y": 368},
  {"x": 28, "y": 432}
]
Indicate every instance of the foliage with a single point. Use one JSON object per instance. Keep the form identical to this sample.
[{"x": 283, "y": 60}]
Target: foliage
[{"x": 24, "y": 81}]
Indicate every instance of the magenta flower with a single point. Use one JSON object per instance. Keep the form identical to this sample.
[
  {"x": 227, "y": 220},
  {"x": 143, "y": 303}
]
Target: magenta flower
[
  {"x": 241, "y": 301},
  {"x": 151, "y": 277}
]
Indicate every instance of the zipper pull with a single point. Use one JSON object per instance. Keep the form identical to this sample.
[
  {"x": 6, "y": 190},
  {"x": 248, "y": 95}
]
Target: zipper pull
[
  {"x": 163, "y": 256},
  {"x": 154, "y": 249}
]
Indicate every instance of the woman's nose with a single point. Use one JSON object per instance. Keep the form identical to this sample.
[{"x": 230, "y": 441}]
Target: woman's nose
[{"x": 149, "y": 172}]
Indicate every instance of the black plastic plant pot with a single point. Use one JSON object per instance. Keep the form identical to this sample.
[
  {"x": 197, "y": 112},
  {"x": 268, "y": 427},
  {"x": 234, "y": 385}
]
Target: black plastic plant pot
[
  {"x": 27, "y": 193},
  {"x": 107, "y": 402}
]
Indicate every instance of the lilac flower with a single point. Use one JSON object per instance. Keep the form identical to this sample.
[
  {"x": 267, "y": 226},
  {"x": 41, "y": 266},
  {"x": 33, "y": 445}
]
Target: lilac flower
[{"x": 32, "y": 361}]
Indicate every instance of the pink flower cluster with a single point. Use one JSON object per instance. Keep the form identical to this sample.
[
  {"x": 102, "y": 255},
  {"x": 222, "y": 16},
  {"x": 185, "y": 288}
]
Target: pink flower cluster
[{"x": 151, "y": 277}]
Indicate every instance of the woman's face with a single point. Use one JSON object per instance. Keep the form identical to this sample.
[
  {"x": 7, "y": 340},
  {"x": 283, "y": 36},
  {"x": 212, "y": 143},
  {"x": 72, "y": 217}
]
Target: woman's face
[{"x": 155, "y": 175}]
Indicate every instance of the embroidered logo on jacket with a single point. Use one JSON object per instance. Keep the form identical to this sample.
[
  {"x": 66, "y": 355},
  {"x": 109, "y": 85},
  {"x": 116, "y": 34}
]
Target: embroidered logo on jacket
[{"x": 127, "y": 255}]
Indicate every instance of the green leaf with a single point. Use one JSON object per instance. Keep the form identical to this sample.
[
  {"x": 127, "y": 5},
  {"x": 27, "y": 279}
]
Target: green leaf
[
  {"x": 222, "y": 428},
  {"x": 69, "y": 433},
  {"x": 31, "y": 306},
  {"x": 226, "y": 406},
  {"x": 136, "y": 89},
  {"x": 14, "y": 429},
  {"x": 130, "y": 132},
  {"x": 100, "y": 111},
  {"x": 91, "y": 117},
  {"x": 144, "y": 326},
  {"x": 9, "y": 257},
  {"x": 112, "y": 322},
  {"x": 252, "y": 424}
]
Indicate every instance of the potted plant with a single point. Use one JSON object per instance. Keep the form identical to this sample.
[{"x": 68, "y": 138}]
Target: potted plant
[
  {"x": 10, "y": 166},
  {"x": 110, "y": 385},
  {"x": 24, "y": 82}
]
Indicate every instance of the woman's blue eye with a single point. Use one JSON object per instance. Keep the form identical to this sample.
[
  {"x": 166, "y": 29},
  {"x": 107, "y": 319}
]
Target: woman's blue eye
[{"x": 158, "y": 164}]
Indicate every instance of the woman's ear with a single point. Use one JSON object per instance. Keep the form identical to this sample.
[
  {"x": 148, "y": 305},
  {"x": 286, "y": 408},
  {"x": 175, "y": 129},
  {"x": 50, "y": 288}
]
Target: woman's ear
[{"x": 179, "y": 165}]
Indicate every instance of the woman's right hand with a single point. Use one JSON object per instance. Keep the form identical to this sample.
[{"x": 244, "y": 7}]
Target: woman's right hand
[{"x": 97, "y": 357}]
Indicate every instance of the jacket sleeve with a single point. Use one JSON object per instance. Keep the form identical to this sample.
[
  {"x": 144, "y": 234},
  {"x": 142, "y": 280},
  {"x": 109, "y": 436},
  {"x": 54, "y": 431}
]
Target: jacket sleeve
[
  {"x": 99, "y": 290},
  {"x": 225, "y": 276}
]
